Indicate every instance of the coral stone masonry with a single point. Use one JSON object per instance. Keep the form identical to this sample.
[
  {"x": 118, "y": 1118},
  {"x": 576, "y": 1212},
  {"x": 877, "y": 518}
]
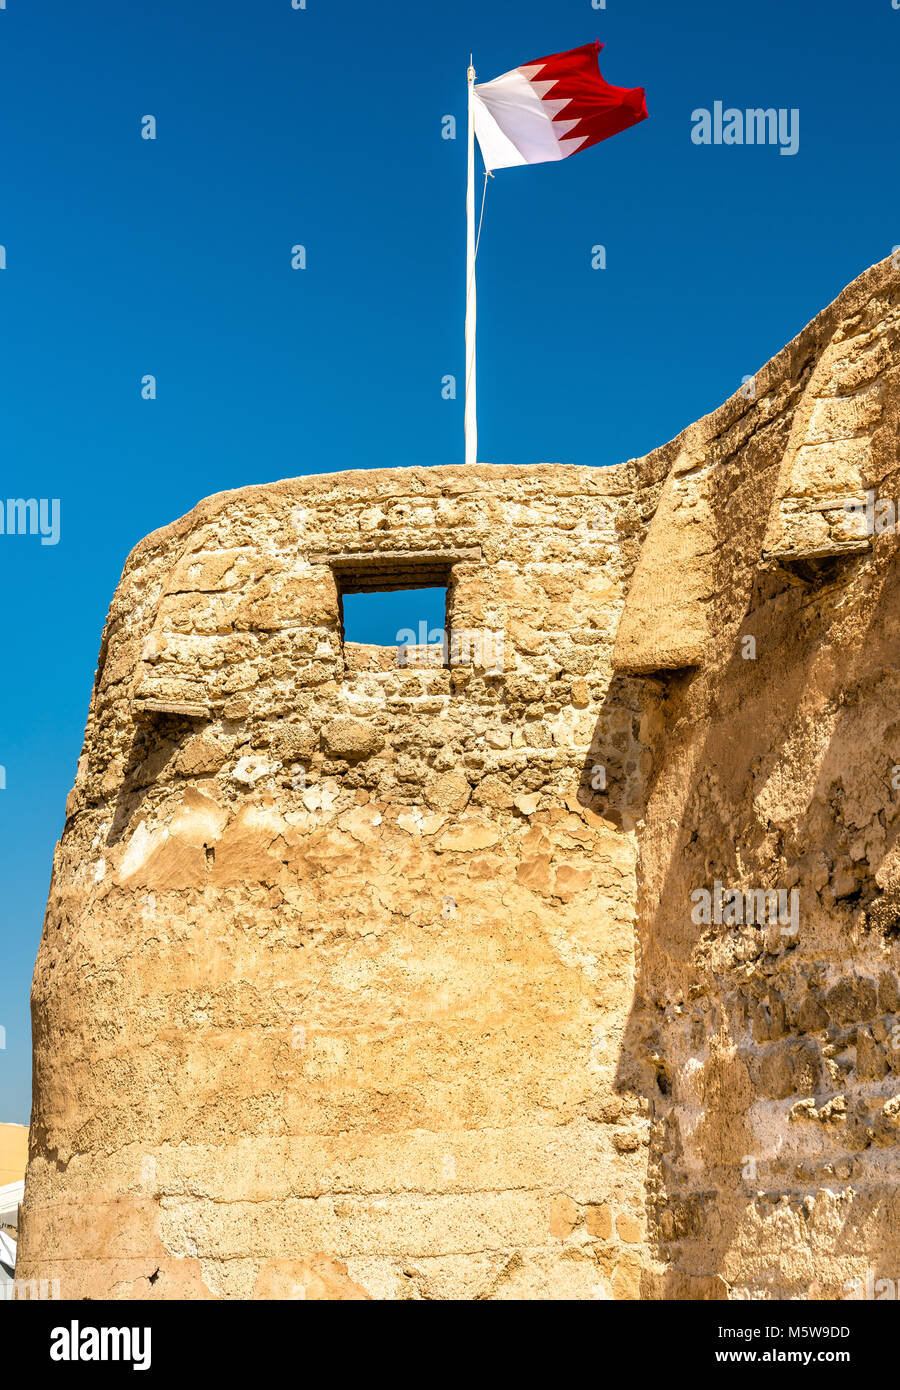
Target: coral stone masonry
[{"x": 568, "y": 972}]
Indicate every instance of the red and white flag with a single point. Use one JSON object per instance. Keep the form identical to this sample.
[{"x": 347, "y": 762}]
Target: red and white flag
[
  {"x": 551, "y": 108},
  {"x": 544, "y": 110}
]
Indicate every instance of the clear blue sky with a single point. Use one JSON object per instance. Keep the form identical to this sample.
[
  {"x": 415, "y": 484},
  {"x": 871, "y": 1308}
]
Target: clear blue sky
[{"x": 322, "y": 127}]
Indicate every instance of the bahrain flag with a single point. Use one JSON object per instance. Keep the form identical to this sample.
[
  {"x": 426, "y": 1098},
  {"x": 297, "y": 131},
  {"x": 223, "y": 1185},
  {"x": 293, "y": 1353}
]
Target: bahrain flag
[{"x": 551, "y": 108}]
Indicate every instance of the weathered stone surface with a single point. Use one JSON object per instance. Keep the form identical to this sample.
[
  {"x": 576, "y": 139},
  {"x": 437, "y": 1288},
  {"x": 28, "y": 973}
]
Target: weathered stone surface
[
  {"x": 351, "y": 738},
  {"x": 362, "y": 980}
]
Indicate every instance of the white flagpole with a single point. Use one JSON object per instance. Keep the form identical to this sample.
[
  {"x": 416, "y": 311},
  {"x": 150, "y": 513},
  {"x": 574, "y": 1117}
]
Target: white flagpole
[{"x": 471, "y": 423}]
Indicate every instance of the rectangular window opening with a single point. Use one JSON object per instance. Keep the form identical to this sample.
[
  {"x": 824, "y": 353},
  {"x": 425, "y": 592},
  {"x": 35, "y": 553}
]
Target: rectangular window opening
[
  {"x": 396, "y": 607},
  {"x": 407, "y": 625}
]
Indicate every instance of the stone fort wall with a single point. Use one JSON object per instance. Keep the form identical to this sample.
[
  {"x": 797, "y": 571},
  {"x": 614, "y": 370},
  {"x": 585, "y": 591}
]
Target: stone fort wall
[{"x": 368, "y": 980}]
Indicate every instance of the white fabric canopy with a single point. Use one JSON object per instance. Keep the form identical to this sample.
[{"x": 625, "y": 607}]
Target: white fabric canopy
[
  {"x": 10, "y": 1197},
  {"x": 7, "y": 1258}
]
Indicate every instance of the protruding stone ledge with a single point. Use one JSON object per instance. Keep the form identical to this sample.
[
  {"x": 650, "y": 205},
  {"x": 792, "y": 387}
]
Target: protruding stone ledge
[
  {"x": 815, "y": 529},
  {"x": 835, "y": 449},
  {"x": 178, "y": 708},
  {"x": 665, "y": 623}
]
